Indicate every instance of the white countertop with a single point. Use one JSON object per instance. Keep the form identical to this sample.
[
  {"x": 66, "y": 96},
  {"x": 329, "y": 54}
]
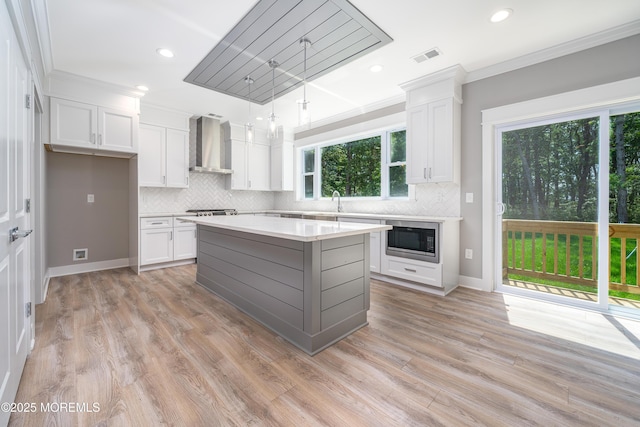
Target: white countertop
[
  {"x": 363, "y": 215},
  {"x": 304, "y": 230}
]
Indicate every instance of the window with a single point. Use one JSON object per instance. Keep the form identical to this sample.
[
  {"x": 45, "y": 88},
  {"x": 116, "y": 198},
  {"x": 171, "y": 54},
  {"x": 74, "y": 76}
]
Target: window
[
  {"x": 372, "y": 166},
  {"x": 398, "y": 164}
]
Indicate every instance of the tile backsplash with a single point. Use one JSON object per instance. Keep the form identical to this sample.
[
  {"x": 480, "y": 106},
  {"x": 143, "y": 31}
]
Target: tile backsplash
[
  {"x": 208, "y": 191},
  {"x": 430, "y": 200},
  {"x": 205, "y": 191}
]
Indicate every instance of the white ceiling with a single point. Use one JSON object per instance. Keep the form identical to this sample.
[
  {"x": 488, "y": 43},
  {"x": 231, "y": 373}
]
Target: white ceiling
[{"x": 115, "y": 41}]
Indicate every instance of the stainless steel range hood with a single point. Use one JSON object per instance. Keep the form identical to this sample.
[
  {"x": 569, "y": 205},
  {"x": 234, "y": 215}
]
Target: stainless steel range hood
[{"x": 209, "y": 147}]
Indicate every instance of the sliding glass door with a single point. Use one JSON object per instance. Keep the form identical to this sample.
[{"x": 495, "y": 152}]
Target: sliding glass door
[
  {"x": 549, "y": 196},
  {"x": 564, "y": 217}
]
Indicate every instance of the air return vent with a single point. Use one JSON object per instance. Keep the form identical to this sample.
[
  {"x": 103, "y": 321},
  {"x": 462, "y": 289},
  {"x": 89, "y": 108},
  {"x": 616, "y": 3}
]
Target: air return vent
[{"x": 430, "y": 54}]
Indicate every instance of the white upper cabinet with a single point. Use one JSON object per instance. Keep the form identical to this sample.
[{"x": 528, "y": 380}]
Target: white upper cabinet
[
  {"x": 251, "y": 163},
  {"x": 177, "y": 158},
  {"x": 259, "y": 162},
  {"x": 152, "y": 165},
  {"x": 282, "y": 175},
  {"x": 86, "y": 128},
  {"x": 433, "y": 127},
  {"x": 163, "y": 160}
]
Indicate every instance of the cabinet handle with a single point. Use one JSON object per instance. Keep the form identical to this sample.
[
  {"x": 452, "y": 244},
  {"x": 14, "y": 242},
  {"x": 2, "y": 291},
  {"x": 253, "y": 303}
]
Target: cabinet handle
[
  {"x": 424, "y": 173},
  {"x": 429, "y": 173},
  {"x": 93, "y": 138},
  {"x": 187, "y": 180},
  {"x": 156, "y": 223},
  {"x": 99, "y": 139},
  {"x": 171, "y": 235},
  {"x": 249, "y": 184},
  {"x": 164, "y": 179},
  {"x": 411, "y": 270}
]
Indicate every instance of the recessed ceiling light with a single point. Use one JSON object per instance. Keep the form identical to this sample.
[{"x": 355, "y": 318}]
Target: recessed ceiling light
[
  {"x": 142, "y": 88},
  {"x": 501, "y": 15},
  {"x": 164, "y": 52},
  {"x": 376, "y": 68},
  {"x": 259, "y": 118}
]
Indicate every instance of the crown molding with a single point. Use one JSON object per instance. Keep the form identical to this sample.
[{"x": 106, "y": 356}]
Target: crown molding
[
  {"x": 64, "y": 76},
  {"x": 557, "y": 51},
  {"x": 355, "y": 112}
]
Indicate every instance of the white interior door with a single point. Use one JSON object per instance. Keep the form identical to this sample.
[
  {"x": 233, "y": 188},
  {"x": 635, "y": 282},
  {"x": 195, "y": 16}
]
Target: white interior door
[{"x": 15, "y": 258}]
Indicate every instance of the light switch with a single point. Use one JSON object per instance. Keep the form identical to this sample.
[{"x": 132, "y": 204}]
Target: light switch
[
  {"x": 469, "y": 197},
  {"x": 468, "y": 253},
  {"x": 90, "y": 198}
]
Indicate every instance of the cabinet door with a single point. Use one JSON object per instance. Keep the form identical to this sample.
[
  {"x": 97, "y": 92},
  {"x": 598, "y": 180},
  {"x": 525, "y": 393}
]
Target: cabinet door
[
  {"x": 375, "y": 251},
  {"x": 238, "y": 157},
  {"x": 259, "y": 167},
  {"x": 117, "y": 130},
  {"x": 282, "y": 167},
  {"x": 73, "y": 123},
  {"x": 151, "y": 158},
  {"x": 156, "y": 245},
  {"x": 185, "y": 243},
  {"x": 177, "y": 158},
  {"x": 374, "y": 242},
  {"x": 440, "y": 141},
  {"x": 417, "y": 129}
]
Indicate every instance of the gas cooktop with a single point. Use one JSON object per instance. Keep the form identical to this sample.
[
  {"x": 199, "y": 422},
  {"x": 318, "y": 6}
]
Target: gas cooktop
[{"x": 213, "y": 212}]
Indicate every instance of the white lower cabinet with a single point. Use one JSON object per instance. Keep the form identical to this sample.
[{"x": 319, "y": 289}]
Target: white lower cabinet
[
  {"x": 375, "y": 247},
  {"x": 165, "y": 239},
  {"x": 185, "y": 240},
  {"x": 156, "y": 245},
  {"x": 416, "y": 271}
]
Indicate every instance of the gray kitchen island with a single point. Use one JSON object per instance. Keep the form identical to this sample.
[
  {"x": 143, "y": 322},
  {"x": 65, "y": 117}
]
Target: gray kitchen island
[{"x": 307, "y": 280}]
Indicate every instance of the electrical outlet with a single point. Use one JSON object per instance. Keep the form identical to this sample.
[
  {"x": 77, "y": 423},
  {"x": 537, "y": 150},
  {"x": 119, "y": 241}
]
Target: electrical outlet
[
  {"x": 469, "y": 197},
  {"x": 90, "y": 198},
  {"x": 468, "y": 253}
]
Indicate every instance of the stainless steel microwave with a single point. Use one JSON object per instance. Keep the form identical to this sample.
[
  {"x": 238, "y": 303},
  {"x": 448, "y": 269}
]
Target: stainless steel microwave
[{"x": 415, "y": 240}]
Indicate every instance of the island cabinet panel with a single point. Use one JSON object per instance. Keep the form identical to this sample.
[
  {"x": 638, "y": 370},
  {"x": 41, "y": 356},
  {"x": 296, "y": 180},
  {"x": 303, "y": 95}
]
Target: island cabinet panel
[{"x": 310, "y": 293}]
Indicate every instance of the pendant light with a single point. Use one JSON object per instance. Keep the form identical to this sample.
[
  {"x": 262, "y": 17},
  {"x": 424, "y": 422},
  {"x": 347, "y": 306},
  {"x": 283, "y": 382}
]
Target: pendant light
[
  {"x": 304, "y": 115},
  {"x": 248, "y": 127},
  {"x": 272, "y": 130}
]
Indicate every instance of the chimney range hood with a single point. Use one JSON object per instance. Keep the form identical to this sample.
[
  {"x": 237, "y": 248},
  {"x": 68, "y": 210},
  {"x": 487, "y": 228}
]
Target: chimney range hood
[{"x": 209, "y": 147}]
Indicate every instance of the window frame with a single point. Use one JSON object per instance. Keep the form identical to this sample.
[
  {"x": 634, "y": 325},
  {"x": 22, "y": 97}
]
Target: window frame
[{"x": 385, "y": 165}]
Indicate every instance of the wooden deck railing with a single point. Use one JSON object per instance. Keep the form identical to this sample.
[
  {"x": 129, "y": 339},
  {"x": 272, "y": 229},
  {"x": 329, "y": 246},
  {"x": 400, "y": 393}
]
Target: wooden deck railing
[{"x": 567, "y": 252}]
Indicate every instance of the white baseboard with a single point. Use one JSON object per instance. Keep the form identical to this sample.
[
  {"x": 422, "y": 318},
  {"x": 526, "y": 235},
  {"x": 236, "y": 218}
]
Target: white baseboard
[
  {"x": 412, "y": 285},
  {"x": 473, "y": 283},
  {"x": 87, "y": 267},
  {"x": 166, "y": 264},
  {"x": 47, "y": 280}
]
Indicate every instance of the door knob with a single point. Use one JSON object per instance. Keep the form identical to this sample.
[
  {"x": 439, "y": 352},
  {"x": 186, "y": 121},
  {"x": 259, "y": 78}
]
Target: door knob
[{"x": 15, "y": 234}]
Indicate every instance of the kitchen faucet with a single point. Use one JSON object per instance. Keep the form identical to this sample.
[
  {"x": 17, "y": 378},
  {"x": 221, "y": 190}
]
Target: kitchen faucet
[{"x": 336, "y": 193}]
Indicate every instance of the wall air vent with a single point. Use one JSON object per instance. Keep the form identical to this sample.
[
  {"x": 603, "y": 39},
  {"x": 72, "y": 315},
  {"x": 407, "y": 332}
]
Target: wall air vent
[{"x": 430, "y": 54}]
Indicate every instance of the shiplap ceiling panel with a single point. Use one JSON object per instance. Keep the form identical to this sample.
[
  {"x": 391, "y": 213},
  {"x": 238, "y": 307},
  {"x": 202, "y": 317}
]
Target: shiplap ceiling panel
[
  {"x": 272, "y": 29},
  {"x": 322, "y": 39},
  {"x": 258, "y": 67}
]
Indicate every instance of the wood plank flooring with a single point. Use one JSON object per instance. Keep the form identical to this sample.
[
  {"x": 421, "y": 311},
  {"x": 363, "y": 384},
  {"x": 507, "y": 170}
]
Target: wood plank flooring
[{"x": 157, "y": 349}]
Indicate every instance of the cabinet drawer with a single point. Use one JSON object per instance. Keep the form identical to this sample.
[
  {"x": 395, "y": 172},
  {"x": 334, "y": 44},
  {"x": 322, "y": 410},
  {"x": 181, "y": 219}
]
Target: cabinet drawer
[
  {"x": 156, "y": 222},
  {"x": 182, "y": 224},
  {"x": 427, "y": 273}
]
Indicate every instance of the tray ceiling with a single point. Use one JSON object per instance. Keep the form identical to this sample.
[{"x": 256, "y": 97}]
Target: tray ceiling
[{"x": 339, "y": 33}]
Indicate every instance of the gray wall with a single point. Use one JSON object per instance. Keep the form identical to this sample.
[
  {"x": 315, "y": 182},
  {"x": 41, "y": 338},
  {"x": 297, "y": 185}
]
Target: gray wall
[
  {"x": 72, "y": 223},
  {"x": 607, "y": 63}
]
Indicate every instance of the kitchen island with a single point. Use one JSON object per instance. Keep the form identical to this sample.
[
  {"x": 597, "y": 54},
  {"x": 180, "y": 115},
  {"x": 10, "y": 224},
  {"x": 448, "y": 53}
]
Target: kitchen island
[{"x": 307, "y": 280}]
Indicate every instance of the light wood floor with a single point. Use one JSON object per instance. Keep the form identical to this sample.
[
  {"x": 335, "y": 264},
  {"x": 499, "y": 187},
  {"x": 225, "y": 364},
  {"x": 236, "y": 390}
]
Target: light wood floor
[{"x": 156, "y": 349}]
